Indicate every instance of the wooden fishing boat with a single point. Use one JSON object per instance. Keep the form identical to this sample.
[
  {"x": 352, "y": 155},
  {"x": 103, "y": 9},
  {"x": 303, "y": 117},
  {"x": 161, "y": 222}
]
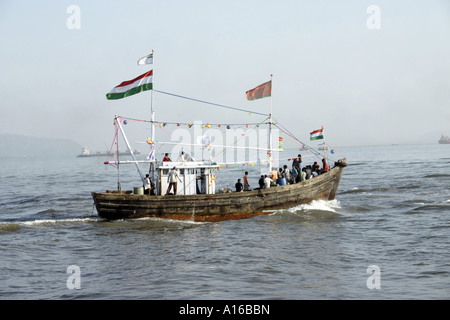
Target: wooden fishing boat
[
  {"x": 220, "y": 206},
  {"x": 202, "y": 203}
]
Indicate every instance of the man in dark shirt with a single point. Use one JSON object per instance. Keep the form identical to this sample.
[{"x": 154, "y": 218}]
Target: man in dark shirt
[
  {"x": 297, "y": 161},
  {"x": 261, "y": 182},
  {"x": 239, "y": 186}
]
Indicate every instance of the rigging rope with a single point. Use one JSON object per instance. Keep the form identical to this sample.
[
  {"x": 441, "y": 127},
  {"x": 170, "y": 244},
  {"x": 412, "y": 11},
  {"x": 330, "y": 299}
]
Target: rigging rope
[{"x": 211, "y": 103}]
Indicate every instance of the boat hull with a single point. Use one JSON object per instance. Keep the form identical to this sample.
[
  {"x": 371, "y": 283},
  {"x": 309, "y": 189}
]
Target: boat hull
[{"x": 113, "y": 205}]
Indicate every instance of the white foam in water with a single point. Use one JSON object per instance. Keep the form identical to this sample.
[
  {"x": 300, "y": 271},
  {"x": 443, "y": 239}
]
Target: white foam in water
[
  {"x": 321, "y": 205},
  {"x": 167, "y": 220},
  {"x": 55, "y": 221}
]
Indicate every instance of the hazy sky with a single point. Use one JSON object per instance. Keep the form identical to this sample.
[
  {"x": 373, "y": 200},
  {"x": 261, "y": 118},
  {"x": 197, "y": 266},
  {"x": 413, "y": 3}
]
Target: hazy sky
[{"x": 366, "y": 86}]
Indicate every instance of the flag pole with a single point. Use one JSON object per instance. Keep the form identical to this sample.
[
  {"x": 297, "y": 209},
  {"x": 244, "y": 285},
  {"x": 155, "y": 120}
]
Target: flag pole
[
  {"x": 270, "y": 127},
  {"x": 152, "y": 109},
  {"x": 153, "y": 133},
  {"x": 116, "y": 124},
  {"x": 324, "y": 147}
]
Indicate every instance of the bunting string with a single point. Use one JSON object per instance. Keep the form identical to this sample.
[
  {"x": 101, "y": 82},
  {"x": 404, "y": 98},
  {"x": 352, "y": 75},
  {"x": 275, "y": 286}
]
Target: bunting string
[
  {"x": 310, "y": 151},
  {"x": 162, "y": 124}
]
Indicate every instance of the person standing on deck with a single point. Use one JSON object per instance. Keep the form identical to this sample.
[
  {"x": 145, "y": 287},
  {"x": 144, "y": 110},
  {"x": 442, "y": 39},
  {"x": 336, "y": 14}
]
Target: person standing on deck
[
  {"x": 297, "y": 162},
  {"x": 325, "y": 166},
  {"x": 274, "y": 174},
  {"x": 172, "y": 180},
  {"x": 246, "y": 184},
  {"x": 147, "y": 184}
]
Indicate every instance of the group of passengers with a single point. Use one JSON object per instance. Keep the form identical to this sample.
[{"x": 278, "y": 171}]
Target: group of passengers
[{"x": 285, "y": 175}]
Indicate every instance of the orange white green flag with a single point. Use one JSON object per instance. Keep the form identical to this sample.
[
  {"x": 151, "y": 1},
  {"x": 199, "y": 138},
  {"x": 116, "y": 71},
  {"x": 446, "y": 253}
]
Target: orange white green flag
[
  {"x": 148, "y": 59},
  {"x": 316, "y": 134},
  {"x": 128, "y": 88},
  {"x": 262, "y": 91}
]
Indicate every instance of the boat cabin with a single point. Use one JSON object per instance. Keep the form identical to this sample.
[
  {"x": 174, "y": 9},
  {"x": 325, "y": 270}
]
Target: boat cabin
[{"x": 196, "y": 177}]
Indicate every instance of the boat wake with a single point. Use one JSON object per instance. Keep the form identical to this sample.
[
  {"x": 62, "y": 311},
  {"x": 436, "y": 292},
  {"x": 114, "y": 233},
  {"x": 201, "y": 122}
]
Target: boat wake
[
  {"x": 11, "y": 226},
  {"x": 315, "y": 208},
  {"x": 164, "y": 221},
  {"x": 319, "y": 205},
  {"x": 57, "y": 221}
]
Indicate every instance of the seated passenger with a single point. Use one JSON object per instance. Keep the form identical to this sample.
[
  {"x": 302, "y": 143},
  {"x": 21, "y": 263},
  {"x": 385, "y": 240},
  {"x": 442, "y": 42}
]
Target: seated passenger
[
  {"x": 315, "y": 166},
  {"x": 239, "y": 186},
  {"x": 184, "y": 157},
  {"x": 261, "y": 182},
  {"x": 166, "y": 157},
  {"x": 303, "y": 175},
  {"x": 308, "y": 171}
]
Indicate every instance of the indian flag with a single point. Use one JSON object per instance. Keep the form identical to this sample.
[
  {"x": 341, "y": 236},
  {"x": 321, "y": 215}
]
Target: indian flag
[
  {"x": 128, "y": 88},
  {"x": 261, "y": 91},
  {"x": 316, "y": 135},
  {"x": 148, "y": 59}
]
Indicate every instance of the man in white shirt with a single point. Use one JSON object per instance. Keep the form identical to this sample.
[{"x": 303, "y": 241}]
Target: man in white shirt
[
  {"x": 267, "y": 182},
  {"x": 147, "y": 185},
  {"x": 172, "y": 180}
]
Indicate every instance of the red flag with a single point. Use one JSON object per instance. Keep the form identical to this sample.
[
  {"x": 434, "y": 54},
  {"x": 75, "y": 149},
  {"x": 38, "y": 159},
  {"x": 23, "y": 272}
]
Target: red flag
[{"x": 261, "y": 91}]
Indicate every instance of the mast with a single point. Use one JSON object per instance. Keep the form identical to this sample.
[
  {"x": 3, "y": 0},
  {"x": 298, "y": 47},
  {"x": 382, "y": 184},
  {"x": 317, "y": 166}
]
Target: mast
[
  {"x": 325, "y": 147},
  {"x": 151, "y": 102},
  {"x": 119, "y": 187},
  {"x": 153, "y": 133},
  {"x": 270, "y": 127}
]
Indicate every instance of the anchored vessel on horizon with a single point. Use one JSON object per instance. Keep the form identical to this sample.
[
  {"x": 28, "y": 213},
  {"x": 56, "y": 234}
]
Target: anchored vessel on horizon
[{"x": 444, "y": 139}]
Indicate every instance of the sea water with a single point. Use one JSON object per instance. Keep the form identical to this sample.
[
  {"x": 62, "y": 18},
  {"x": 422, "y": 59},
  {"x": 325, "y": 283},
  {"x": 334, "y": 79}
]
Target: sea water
[{"x": 385, "y": 236}]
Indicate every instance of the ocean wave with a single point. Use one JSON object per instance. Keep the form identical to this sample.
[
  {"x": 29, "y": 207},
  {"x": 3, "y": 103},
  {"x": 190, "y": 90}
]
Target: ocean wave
[
  {"x": 354, "y": 190},
  {"x": 430, "y": 207},
  {"x": 364, "y": 190},
  {"x": 9, "y": 227},
  {"x": 357, "y": 164},
  {"x": 23, "y": 201},
  {"x": 437, "y": 175}
]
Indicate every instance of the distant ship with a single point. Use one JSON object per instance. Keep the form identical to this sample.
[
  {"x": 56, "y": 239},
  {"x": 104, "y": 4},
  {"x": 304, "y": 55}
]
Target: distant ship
[
  {"x": 86, "y": 153},
  {"x": 444, "y": 140}
]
